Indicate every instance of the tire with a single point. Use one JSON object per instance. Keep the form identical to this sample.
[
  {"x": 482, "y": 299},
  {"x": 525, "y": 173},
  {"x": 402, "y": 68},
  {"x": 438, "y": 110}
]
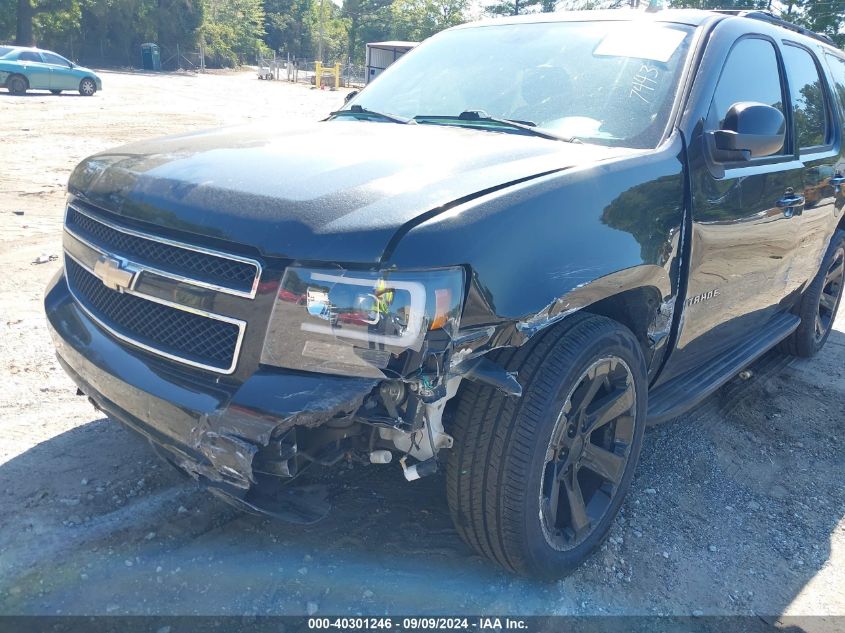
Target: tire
[
  {"x": 87, "y": 87},
  {"x": 509, "y": 452},
  {"x": 819, "y": 303},
  {"x": 17, "y": 84},
  {"x": 56, "y": 92}
]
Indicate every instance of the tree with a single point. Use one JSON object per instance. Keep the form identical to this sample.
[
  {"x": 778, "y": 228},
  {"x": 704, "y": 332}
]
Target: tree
[
  {"x": 719, "y": 4},
  {"x": 366, "y": 21},
  {"x": 26, "y": 13},
  {"x": 178, "y": 22},
  {"x": 287, "y": 26},
  {"x": 329, "y": 31},
  {"x": 826, "y": 17},
  {"x": 8, "y": 19},
  {"x": 821, "y": 16},
  {"x": 233, "y": 30},
  {"x": 519, "y": 7},
  {"x": 416, "y": 20},
  {"x": 57, "y": 30}
]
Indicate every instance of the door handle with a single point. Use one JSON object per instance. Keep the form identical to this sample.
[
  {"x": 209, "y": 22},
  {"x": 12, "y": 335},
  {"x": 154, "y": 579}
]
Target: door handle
[{"x": 789, "y": 201}]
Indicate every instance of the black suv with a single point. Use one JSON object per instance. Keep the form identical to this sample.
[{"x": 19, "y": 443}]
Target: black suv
[{"x": 526, "y": 240}]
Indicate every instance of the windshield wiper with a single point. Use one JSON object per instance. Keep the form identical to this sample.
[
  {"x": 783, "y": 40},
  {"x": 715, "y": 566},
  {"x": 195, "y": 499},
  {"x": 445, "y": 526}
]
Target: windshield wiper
[
  {"x": 357, "y": 110},
  {"x": 527, "y": 126}
]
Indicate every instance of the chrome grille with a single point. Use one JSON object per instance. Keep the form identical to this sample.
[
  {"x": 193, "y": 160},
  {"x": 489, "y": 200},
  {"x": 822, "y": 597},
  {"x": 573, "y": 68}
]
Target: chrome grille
[
  {"x": 162, "y": 329},
  {"x": 226, "y": 273},
  {"x": 106, "y": 265}
]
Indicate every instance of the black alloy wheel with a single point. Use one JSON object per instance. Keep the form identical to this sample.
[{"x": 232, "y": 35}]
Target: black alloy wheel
[
  {"x": 831, "y": 294},
  {"x": 534, "y": 482},
  {"x": 588, "y": 452}
]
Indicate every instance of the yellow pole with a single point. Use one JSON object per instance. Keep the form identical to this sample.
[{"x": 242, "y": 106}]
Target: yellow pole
[
  {"x": 318, "y": 75},
  {"x": 337, "y": 75}
]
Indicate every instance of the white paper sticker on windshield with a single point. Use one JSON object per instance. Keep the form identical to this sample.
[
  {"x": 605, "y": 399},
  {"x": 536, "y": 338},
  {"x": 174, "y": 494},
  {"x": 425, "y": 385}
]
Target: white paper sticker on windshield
[{"x": 656, "y": 43}]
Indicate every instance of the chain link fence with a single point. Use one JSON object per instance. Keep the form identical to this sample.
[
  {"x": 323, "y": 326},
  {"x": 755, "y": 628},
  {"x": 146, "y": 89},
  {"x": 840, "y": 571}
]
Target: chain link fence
[
  {"x": 305, "y": 72},
  {"x": 176, "y": 58}
]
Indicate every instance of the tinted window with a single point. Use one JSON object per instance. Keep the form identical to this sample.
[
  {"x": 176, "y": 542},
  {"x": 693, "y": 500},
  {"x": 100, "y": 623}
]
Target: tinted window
[
  {"x": 750, "y": 74},
  {"x": 29, "y": 56},
  {"x": 807, "y": 97},
  {"x": 837, "y": 69},
  {"x": 52, "y": 58}
]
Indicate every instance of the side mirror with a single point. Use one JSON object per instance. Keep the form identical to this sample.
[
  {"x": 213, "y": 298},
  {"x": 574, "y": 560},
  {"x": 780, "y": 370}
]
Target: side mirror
[
  {"x": 750, "y": 130},
  {"x": 350, "y": 96}
]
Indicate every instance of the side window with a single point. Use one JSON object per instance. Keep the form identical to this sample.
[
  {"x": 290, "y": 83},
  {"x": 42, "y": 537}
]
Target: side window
[
  {"x": 749, "y": 58},
  {"x": 807, "y": 97},
  {"x": 29, "y": 56},
  {"x": 57, "y": 60},
  {"x": 837, "y": 70}
]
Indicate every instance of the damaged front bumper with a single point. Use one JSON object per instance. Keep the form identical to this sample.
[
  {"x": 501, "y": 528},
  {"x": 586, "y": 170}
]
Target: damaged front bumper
[{"x": 223, "y": 435}]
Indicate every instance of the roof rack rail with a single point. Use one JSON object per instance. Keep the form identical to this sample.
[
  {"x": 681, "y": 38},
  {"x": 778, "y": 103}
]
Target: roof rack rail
[{"x": 767, "y": 16}]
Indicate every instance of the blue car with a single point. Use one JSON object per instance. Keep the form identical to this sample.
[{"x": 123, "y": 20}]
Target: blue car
[{"x": 23, "y": 69}]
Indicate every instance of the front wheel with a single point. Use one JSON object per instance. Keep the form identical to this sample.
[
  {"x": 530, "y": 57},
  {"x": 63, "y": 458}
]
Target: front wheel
[
  {"x": 87, "y": 87},
  {"x": 535, "y": 482}
]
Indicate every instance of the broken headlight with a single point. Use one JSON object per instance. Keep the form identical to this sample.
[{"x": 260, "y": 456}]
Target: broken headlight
[{"x": 361, "y": 323}]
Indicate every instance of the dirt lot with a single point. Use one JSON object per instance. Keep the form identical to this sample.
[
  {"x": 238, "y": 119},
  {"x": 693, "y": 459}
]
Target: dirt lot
[{"x": 737, "y": 508}]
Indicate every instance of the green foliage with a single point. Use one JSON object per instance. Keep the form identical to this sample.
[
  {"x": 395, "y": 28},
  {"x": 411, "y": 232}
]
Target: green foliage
[
  {"x": 8, "y": 12},
  {"x": 55, "y": 29},
  {"x": 233, "y": 31},
  {"x": 367, "y": 21},
  {"x": 519, "y": 7},
  {"x": 826, "y": 17},
  {"x": 821, "y": 16},
  {"x": 719, "y": 4},
  {"x": 334, "y": 31},
  {"x": 415, "y": 20},
  {"x": 287, "y": 28}
]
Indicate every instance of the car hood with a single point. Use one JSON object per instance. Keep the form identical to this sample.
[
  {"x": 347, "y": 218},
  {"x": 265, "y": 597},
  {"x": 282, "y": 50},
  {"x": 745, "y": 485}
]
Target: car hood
[{"x": 332, "y": 191}]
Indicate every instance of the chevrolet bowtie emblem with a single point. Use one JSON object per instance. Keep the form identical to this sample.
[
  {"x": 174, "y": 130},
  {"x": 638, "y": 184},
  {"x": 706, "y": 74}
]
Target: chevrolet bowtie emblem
[{"x": 112, "y": 274}]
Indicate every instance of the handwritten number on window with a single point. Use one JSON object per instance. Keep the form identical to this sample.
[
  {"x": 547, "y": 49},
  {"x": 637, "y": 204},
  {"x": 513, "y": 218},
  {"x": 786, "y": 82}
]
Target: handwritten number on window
[{"x": 645, "y": 81}]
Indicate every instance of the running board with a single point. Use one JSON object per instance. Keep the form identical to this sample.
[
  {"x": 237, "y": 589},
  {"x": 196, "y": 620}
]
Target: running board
[{"x": 682, "y": 393}]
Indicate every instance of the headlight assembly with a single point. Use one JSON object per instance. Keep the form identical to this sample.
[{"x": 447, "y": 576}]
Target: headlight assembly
[{"x": 360, "y": 323}]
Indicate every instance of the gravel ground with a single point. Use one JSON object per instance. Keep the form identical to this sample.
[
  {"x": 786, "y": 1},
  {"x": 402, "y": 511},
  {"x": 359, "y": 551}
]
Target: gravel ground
[{"x": 737, "y": 507}]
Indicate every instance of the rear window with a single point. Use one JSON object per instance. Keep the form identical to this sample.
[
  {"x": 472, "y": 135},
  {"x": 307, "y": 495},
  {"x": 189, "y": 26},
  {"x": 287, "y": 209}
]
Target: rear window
[
  {"x": 58, "y": 60},
  {"x": 837, "y": 70},
  {"x": 807, "y": 95}
]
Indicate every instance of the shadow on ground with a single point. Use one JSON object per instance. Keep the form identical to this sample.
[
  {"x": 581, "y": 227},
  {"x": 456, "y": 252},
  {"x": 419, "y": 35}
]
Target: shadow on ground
[{"x": 733, "y": 510}]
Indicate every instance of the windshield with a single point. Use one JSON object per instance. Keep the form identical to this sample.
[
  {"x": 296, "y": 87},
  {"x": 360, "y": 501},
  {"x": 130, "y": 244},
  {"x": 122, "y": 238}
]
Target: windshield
[
  {"x": 601, "y": 82},
  {"x": 4, "y": 50}
]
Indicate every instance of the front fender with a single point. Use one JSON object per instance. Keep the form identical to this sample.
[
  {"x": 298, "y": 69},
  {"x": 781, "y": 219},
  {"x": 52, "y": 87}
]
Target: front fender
[
  {"x": 6, "y": 70},
  {"x": 548, "y": 247}
]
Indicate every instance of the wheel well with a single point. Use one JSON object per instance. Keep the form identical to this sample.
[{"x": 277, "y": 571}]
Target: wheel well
[
  {"x": 13, "y": 75},
  {"x": 636, "y": 309}
]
